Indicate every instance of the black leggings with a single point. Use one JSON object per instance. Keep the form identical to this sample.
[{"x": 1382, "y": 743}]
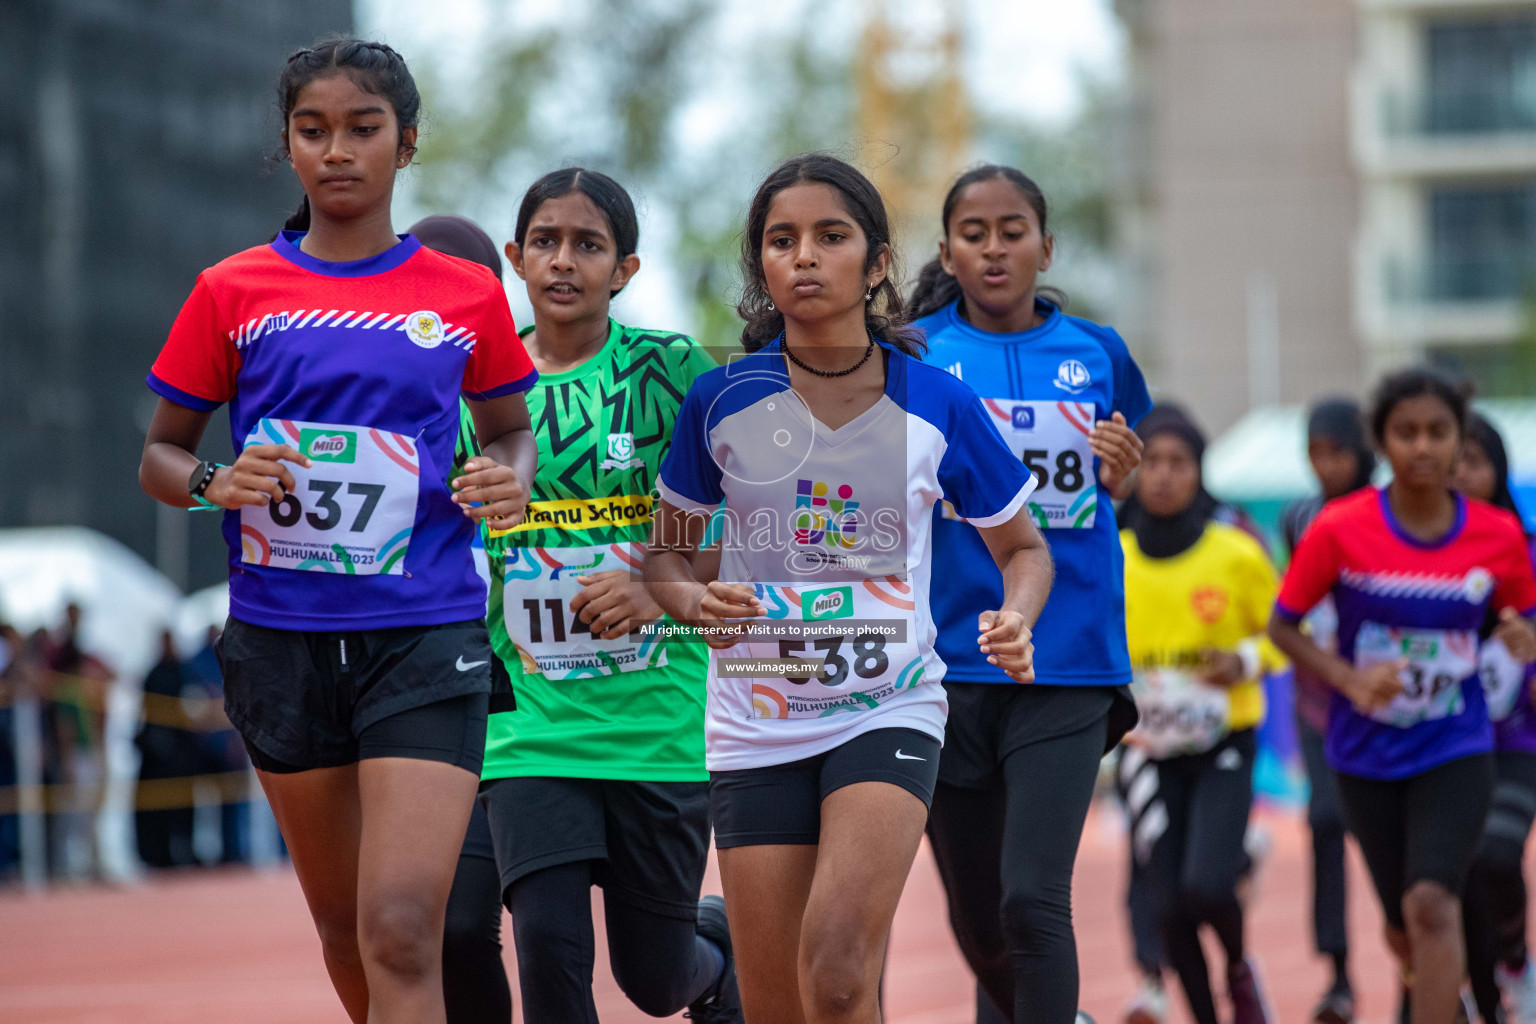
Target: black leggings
[
  {"x": 1494, "y": 901},
  {"x": 475, "y": 985},
  {"x": 1025, "y": 956},
  {"x": 1194, "y": 864},
  {"x": 661, "y": 963},
  {"x": 1325, "y": 818}
]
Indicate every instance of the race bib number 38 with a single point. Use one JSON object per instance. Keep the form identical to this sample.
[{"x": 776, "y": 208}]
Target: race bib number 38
[
  {"x": 351, "y": 512},
  {"x": 1439, "y": 661},
  {"x": 1051, "y": 438}
]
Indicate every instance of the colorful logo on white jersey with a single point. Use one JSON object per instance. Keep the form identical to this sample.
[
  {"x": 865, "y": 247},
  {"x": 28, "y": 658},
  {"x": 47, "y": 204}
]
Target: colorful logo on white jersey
[
  {"x": 1072, "y": 376},
  {"x": 425, "y": 328},
  {"x": 819, "y": 519},
  {"x": 621, "y": 452},
  {"x": 1023, "y": 417}
]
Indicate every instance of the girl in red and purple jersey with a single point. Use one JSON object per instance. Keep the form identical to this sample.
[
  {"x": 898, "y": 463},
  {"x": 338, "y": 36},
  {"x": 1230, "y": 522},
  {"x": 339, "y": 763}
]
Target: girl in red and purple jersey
[
  {"x": 356, "y": 661},
  {"x": 1414, "y": 569}
]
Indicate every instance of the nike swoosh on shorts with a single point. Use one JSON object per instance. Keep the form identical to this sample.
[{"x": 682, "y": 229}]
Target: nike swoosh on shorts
[
  {"x": 908, "y": 757},
  {"x": 465, "y": 666}
]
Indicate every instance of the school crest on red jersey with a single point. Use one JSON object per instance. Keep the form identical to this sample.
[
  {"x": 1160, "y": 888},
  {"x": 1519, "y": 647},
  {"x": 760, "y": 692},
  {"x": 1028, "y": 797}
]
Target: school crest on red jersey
[{"x": 425, "y": 328}]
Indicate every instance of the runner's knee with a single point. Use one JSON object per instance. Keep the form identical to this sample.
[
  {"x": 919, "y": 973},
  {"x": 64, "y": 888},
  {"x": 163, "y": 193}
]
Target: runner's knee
[
  {"x": 338, "y": 940},
  {"x": 1430, "y": 909},
  {"x": 655, "y": 984},
  {"x": 1036, "y": 913},
  {"x": 834, "y": 971},
  {"x": 400, "y": 934}
]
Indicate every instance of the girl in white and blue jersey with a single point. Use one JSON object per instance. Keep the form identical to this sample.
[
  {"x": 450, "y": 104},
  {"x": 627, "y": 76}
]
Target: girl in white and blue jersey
[
  {"x": 828, "y": 445},
  {"x": 1020, "y": 762}
]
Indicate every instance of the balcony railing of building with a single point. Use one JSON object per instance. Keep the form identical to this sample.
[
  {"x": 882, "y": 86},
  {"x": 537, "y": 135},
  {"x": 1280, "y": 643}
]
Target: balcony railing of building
[
  {"x": 1462, "y": 114},
  {"x": 1452, "y": 280}
]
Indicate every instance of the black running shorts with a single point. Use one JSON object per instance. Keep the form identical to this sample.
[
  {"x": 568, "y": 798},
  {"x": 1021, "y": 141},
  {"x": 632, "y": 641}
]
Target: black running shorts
[
  {"x": 305, "y": 700},
  {"x": 781, "y": 804},
  {"x": 650, "y": 840}
]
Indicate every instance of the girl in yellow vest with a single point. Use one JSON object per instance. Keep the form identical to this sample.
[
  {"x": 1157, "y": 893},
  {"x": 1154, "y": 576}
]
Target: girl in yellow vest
[{"x": 1197, "y": 595}]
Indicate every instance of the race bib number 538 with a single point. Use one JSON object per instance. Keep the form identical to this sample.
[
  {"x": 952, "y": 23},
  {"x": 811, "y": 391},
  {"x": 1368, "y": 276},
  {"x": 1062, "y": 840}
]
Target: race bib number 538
[
  {"x": 1051, "y": 438},
  {"x": 847, "y": 671},
  {"x": 350, "y": 512}
]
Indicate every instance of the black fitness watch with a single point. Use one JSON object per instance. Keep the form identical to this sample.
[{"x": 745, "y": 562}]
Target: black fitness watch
[{"x": 201, "y": 477}]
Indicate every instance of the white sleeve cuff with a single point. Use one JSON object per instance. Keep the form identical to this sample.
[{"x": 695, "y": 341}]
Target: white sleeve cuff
[
  {"x": 682, "y": 501},
  {"x": 1008, "y": 511},
  {"x": 1253, "y": 662}
]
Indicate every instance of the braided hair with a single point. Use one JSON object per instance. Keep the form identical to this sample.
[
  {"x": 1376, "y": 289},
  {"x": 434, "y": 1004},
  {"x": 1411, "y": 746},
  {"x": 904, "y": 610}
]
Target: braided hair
[{"x": 374, "y": 67}]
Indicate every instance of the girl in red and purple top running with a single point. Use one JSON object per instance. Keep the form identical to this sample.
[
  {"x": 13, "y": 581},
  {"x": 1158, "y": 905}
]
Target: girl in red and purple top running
[
  {"x": 1414, "y": 569},
  {"x": 1498, "y": 962},
  {"x": 356, "y": 661}
]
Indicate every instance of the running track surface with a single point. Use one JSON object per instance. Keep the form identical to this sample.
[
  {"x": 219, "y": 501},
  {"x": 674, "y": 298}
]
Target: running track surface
[{"x": 238, "y": 948}]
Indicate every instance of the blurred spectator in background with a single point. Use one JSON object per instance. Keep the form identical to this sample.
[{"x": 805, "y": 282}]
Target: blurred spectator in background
[
  {"x": 75, "y": 763},
  {"x": 12, "y": 662},
  {"x": 1343, "y": 462},
  {"x": 221, "y": 752},
  {"x": 169, "y": 754}
]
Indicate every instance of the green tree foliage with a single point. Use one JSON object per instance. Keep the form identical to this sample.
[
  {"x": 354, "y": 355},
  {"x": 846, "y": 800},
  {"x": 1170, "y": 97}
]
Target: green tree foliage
[{"x": 613, "y": 83}]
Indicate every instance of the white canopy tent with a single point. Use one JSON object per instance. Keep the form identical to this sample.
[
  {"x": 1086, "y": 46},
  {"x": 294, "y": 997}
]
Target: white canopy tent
[{"x": 1262, "y": 459}]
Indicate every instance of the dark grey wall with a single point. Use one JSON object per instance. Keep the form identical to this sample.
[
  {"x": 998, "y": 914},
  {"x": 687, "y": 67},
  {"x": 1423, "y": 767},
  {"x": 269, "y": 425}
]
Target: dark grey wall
[{"x": 134, "y": 145}]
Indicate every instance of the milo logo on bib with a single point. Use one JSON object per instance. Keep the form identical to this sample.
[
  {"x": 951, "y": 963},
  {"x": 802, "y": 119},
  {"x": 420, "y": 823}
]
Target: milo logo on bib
[
  {"x": 328, "y": 446},
  {"x": 832, "y": 603}
]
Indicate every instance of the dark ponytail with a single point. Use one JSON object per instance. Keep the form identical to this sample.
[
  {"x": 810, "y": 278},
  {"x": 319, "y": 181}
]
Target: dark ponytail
[
  {"x": 884, "y": 315},
  {"x": 374, "y": 67},
  {"x": 299, "y": 219},
  {"x": 937, "y": 288}
]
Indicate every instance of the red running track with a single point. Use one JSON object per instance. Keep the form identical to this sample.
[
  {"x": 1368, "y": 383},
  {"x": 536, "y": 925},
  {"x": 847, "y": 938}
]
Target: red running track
[{"x": 237, "y": 947}]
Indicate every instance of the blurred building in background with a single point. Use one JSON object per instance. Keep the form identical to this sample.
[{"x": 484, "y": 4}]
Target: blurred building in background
[
  {"x": 1316, "y": 191},
  {"x": 1241, "y": 202},
  {"x": 1444, "y": 136},
  {"x": 133, "y": 153}
]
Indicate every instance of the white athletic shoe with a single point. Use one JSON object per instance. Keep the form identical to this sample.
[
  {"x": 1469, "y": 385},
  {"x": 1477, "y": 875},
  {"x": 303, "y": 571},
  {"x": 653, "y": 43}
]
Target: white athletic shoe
[
  {"x": 1519, "y": 990},
  {"x": 1149, "y": 1005}
]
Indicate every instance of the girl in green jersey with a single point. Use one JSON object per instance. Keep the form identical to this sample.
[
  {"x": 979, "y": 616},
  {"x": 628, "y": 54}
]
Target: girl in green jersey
[{"x": 597, "y": 777}]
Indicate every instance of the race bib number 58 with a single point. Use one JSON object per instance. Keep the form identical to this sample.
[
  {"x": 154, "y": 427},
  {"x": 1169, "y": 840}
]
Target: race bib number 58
[
  {"x": 1051, "y": 438},
  {"x": 350, "y": 512}
]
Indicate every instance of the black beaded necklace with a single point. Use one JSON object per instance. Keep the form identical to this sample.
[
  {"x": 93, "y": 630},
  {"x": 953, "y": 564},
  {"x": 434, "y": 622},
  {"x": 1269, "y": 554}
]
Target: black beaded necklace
[{"x": 868, "y": 351}]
